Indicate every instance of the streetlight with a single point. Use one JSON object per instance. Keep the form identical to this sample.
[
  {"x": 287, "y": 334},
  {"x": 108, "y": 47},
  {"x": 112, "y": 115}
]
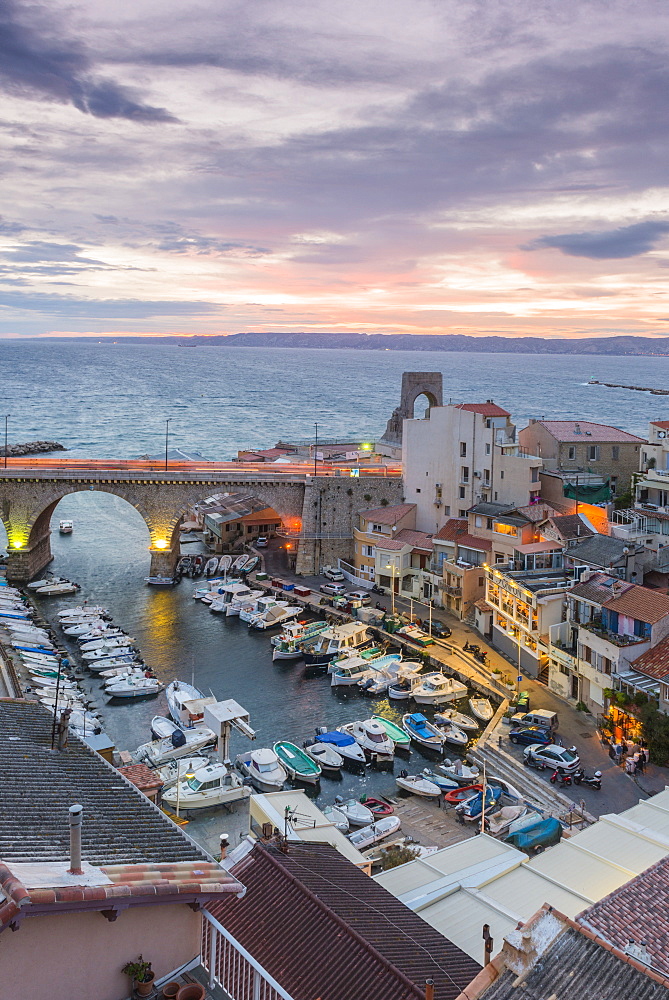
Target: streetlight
[
  {"x": 7, "y": 416},
  {"x": 187, "y": 777},
  {"x": 316, "y": 450},
  {"x": 391, "y": 566},
  {"x": 167, "y": 437}
]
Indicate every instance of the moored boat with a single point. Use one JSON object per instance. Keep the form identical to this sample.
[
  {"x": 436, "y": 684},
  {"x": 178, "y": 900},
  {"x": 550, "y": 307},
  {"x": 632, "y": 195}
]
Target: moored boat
[
  {"x": 437, "y": 689},
  {"x": 299, "y": 765},
  {"x": 442, "y": 782},
  {"x": 210, "y": 786},
  {"x": 418, "y": 784},
  {"x": 422, "y": 731},
  {"x": 185, "y": 704},
  {"x": 55, "y": 589},
  {"x": 334, "y": 641},
  {"x": 336, "y": 817},
  {"x": 325, "y": 756},
  {"x": 356, "y": 812},
  {"x": 66, "y": 527},
  {"x": 378, "y": 830},
  {"x": 453, "y": 736},
  {"x": 133, "y": 687},
  {"x": 263, "y": 768},
  {"x": 459, "y": 719},
  {"x": 481, "y": 708},
  {"x": 344, "y": 744},
  {"x": 179, "y": 744},
  {"x": 162, "y": 727},
  {"x": 400, "y": 738},
  {"x": 240, "y": 562},
  {"x": 372, "y": 737},
  {"x": 176, "y": 770},
  {"x": 224, "y": 564},
  {"x": 464, "y": 774}
]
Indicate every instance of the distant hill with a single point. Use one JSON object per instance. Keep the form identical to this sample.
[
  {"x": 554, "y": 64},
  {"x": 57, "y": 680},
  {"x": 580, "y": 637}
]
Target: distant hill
[{"x": 438, "y": 342}]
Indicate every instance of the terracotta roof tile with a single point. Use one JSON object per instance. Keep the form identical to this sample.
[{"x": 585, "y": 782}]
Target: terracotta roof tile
[
  {"x": 487, "y": 409},
  {"x": 566, "y": 431},
  {"x": 142, "y": 777},
  {"x": 655, "y": 661},
  {"x": 417, "y": 539},
  {"x": 388, "y": 515},
  {"x": 641, "y": 603},
  {"x": 454, "y": 526},
  {"x": 324, "y": 929},
  {"x": 660, "y": 423}
]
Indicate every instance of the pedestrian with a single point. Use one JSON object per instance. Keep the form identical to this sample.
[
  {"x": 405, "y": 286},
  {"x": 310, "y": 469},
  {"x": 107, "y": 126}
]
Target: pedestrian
[
  {"x": 630, "y": 765},
  {"x": 619, "y": 753},
  {"x": 623, "y": 744},
  {"x": 639, "y": 763}
]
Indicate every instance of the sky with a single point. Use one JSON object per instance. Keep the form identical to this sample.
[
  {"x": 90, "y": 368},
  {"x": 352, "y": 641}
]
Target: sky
[{"x": 390, "y": 166}]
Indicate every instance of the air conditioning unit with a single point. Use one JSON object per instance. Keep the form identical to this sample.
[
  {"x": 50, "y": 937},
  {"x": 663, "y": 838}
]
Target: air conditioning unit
[
  {"x": 478, "y": 475},
  {"x": 438, "y": 503}
]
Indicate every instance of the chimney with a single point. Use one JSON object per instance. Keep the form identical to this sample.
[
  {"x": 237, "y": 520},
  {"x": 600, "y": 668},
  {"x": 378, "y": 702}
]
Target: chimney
[
  {"x": 639, "y": 952},
  {"x": 223, "y": 840},
  {"x": 429, "y": 989},
  {"x": 75, "y": 839},
  {"x": 63, "y": 728},
  {"x": 577, "y": 428}
]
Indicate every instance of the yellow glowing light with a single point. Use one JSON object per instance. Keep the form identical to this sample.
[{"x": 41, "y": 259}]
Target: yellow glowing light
[
  {"x": 17, "y": 543},
  {"x": 365, "y": 447},
  {"x": 160, "y": 543}
]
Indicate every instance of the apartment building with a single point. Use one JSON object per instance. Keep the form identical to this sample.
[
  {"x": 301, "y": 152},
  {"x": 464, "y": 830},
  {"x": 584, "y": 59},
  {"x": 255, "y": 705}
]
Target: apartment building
[
  {"x": 378, "y": 525},
  {"x": 463, "y": 454},
  {"x": 458, "y": 562},
  {"x": 574, "y": 446}
]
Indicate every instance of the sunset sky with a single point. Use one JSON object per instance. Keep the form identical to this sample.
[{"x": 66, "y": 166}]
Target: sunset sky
[{"x": 386, "y": 166}]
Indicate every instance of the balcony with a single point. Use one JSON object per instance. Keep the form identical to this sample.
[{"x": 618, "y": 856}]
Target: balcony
[
  {"x": 566, "y": 656},
  {"x": 598, "y": 629}
]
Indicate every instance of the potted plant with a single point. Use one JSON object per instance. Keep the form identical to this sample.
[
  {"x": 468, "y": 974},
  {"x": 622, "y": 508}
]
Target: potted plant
[{"x": 142, "y": 976}]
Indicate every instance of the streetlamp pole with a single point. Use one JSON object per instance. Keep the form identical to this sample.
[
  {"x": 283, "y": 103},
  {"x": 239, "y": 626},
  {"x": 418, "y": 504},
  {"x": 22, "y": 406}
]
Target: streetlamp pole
[
  {"x": 316, "y": 450},
  {"x": 7, "y": 416},
  {"x": 167, "y": 437},
  {"x": 391, "y": 567}
]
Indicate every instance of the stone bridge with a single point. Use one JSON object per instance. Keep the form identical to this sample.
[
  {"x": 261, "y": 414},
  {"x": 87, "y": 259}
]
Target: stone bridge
[{"x": 325, "y": 506}]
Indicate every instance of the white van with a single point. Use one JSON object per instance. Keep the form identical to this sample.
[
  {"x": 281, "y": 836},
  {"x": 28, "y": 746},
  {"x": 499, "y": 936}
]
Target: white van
[{"x": 539, "y": 717}]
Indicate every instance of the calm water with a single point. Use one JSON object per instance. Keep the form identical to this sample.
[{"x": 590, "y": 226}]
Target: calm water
[{"x": 112, "y": 400}]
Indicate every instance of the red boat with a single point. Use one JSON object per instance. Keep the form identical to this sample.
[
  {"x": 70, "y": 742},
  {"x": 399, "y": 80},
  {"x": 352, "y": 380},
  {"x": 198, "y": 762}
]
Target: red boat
[
  {"x": 378, "y": 807},
  {"x": 460, "y": 794}
]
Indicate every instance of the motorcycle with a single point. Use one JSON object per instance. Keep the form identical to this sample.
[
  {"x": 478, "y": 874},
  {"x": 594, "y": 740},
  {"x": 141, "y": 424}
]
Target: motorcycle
[
  {"x": 481, "y": 657},
  {"x": 471, "y": 648},
  {"x": 379, "y": 606},
  {"x": 564, "y": 779},
  {"x": 531, "y": 761},
  {"x": 580, "y": 777},
  {"x": 377, "y": 590}
]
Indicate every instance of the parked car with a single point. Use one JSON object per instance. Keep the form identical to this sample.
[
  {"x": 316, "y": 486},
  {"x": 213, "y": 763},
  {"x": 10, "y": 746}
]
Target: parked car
[
  {"x": 358, "y": 595},
  {"x": 541, "y": 717},
  {"x": 332, "y": 573},
  {"x": 261, "y": 542},
  {"x": 336, "y": 589},
  {"x": 530, "y": 735},
  {"x": 553, "y": 756},
  {"x": 439, "y": 629}
]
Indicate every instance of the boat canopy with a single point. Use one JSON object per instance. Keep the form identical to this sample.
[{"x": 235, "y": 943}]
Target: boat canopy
[{"x": 336, "y": 739}]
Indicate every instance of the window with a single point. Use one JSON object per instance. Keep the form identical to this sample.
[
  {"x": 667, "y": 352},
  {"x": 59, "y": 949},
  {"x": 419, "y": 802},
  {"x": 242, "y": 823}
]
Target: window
[
  {"x": 571, "y": 453},
  {"x": 487, "y": 449},
  {"x": 488, "y": 522},
  {"x": 464, "y": 474},
  {"x": 462, "y": 492},
  {"x": 486, "y": 476},
  {"x": 417, "y": 491},
  {"x": 377, "y": 529},
  {"x": 499, "y": 557},
  {"x": 447, "y": 510},
  {"x": 463, "y": 449},
  {"x": 586, "y": 654},
  {"x": 481, "y": 581},
  {"x": 368, "y": 550},
  {"x": 615, "y": 453},
  {"x": 501, "y": 475},
  {"x": 605, "y": 665},
  {"x": 462, "y": 513},
  {"x": 504, "y": 529},
  {"x": 593, "y": 453},
  {"x": 563, "y": 670},
  {"x": 478, "y": 521},
  {"x": 535, "y": 474}
]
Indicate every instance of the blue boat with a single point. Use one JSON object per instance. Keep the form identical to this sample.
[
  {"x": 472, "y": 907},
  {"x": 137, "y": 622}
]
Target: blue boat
[
  {"x": 440, "y": 780},
  {"x": 345, "y": 746},
  {"x": 36, "y": 649},
  {"x": 422, "y": 731},
  {"x": 542, "y": 834},
  {"x": 471, "y": 808}
]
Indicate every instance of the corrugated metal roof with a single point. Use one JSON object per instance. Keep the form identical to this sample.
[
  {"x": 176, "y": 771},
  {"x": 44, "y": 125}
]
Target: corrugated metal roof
[
  {"x": 461, "y": 917},
  {"x": 523, "y": 891}
]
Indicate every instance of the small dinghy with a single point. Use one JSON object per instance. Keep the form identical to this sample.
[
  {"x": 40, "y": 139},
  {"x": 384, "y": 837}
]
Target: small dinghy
[
  {"x": 355, "y": 812},
  {"x": 336, "y": 817},
  {"x": 440, "y": 780},
  {"x": 378, "y": 806},
  {"x": 377, "y": 831},
  {"x": 325, "y": 756},
  {"x": 299, "y": 765},
  {"x": 344, "y": 744},
  {"x": 211, "y": 566},
  {"x": 224, "y": 564},
  {"x": 481, "y": 708},
  {"x": 251, "y": 564},
  {"x": 263, "y": 768},
  {"x": 459, "y": 719},
  {"x": 422, "y": 731},
  {"x": 162, "y": 727},
  {"x": 418, "y": 784},
  {"x": 454, "y": 736},
  {"x": 499, "y": 822},
  {"x": 464, "y": 774},
  {"x": 401, "y": 739},
  {"x": 240, "y": 562},
  {"x": 457, "y": 795}
]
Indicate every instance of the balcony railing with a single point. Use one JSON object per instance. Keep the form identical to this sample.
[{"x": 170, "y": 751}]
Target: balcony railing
[
  {"x": 598, "y": 629},
  {"x": 231, "y": 966}
]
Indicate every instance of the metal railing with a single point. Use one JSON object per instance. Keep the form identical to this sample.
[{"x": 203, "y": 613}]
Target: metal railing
[{"x": 233, "y": 968}]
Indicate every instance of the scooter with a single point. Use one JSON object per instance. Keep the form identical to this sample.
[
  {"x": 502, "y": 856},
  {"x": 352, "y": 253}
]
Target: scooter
[
  {"x": 471, "y": 648},
  {"x": 558, "y": 774},
  {"x": 580, "y": 777},
  {"x": 377, "y": 590},
  {"x": 481, "y": 656},
  {"x": 531, "y": 761}
]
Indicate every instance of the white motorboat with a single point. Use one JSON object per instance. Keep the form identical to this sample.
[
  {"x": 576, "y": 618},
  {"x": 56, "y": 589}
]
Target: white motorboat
[
  {"x": 106, "y": 653},
  {"x": 211, "y": 566},
  {"x": 459, "y": 719},
  {"x": 277, "y": 615},
  {"x": 418, "y": 784},
  {"x": 83, "y": 609},
  {"x": 481, "y": 708},
  {"x": 65, "y": 699},
  {"x": 176, "y": 770},
  {"x": 325, "y": 755},
  {"x": 28, "y": 633},
  {"x": 46, "y": 685},
  {"x": 336, "y": 817},
  {"x": 263, "y": 768},
  {"x": 34, "y": 645},
  {"x": 182, "y": 744},
  {"x": 372, "y": 737},
  {"x": 333, "y": 641},
  {"x": 355, "y": 812},
  {"x": 160, "y": 581},
  {"x": 224, "y": 564},
  {"x": 378, "y": 830},
  {"x": 224, "y": 595},
  {"x": 386, "y": 669},
  {"x": 238, "y": 603},
  {"x": 130, "y": 671},
  {"x": 422, "y": 731},
  {"x": 109, "y": 642},
  {"x": 109, "y": 662},
  {"x": 133, "y": 687},
  {"x": 186, "y": 704},
  {"x": 110, "y": 633},
  {"x": 437, "y": 689},
  {"x": 464, "y": 774},
  {"x": 409, "y": 676},
  {"x": 162, "y": 727},
  {"x": 54, "y": 589},
  {"x": 454, "y": 736},
  {"x": 344, "y": 744},
  {"x": 39, "y": 659},
  {"x": 66, "y": 527},
  {"x": 260, "y": 606},
  {"x": 210, "y": 786},
  {"x": 48, "y": 581},
  {"x": 499, "y": 822},
  {"x": 350, "y": 671},
  {"x": 81, "y": 628},
  {"x": 240, "y": 562}
]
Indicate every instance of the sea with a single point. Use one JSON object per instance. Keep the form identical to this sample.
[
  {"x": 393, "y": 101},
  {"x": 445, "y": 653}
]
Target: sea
[{"x": 111, "y": 400}]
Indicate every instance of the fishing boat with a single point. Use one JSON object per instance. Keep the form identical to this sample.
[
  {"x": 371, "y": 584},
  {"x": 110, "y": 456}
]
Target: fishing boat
[
  {"x": 334, "y": 641},
  {"x": 440, "y": 780},
  {"x": 175, "y": 770},
  {"x": 183, "y": 743},
  {"x": 211, "y": 566},
  {"x": 418, "y": 784},
  {"x": 453, "y": 736},
  {"x": 160, "y": 581},
  {"x": 276, "y": 615},
  {"x": 336, "y": 817},
  {"x": 472, "y": 808},
  {"x": 262, "y": 766},
  {"x": 458, "y": 719},
  {"x": 344, "y": 744},
  {"x": 355, "y": 812},
  {"x": 372, "y": 737},
  {"x": 299, "y": 765},
  {"x": 55, "y": 589},
  {"x": 185, "y": 703},
  {"x": 481, "y": 708},
  {"x": 66, "y": 527},
  {"x": 401, "y": 739},
  {"x": 210, "y": 786},
  {"x": 464, "y": 774},
  {"x": 409, "y": 676},
  {"x": 106, "y": 653},
  {"x": 224, "y": 564},
  {"x": 437, "y": 689},
  {"x": 251, "y": 564},
  {"x": 422, "y": 731},
  {"x": 240, "y": 602},
  {"x": 240, "y": 562},
  {"x": 288, "y": 644},
  {"x": 162, "y": 727},
  {"x": 133, "y": 687},
  {"x": 377, "y": 831},
  {"x": 325, "y": 756}
]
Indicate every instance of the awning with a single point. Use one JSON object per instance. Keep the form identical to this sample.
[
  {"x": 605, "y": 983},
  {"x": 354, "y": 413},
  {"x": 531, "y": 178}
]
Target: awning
[{"x": 639, "y": 681}]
